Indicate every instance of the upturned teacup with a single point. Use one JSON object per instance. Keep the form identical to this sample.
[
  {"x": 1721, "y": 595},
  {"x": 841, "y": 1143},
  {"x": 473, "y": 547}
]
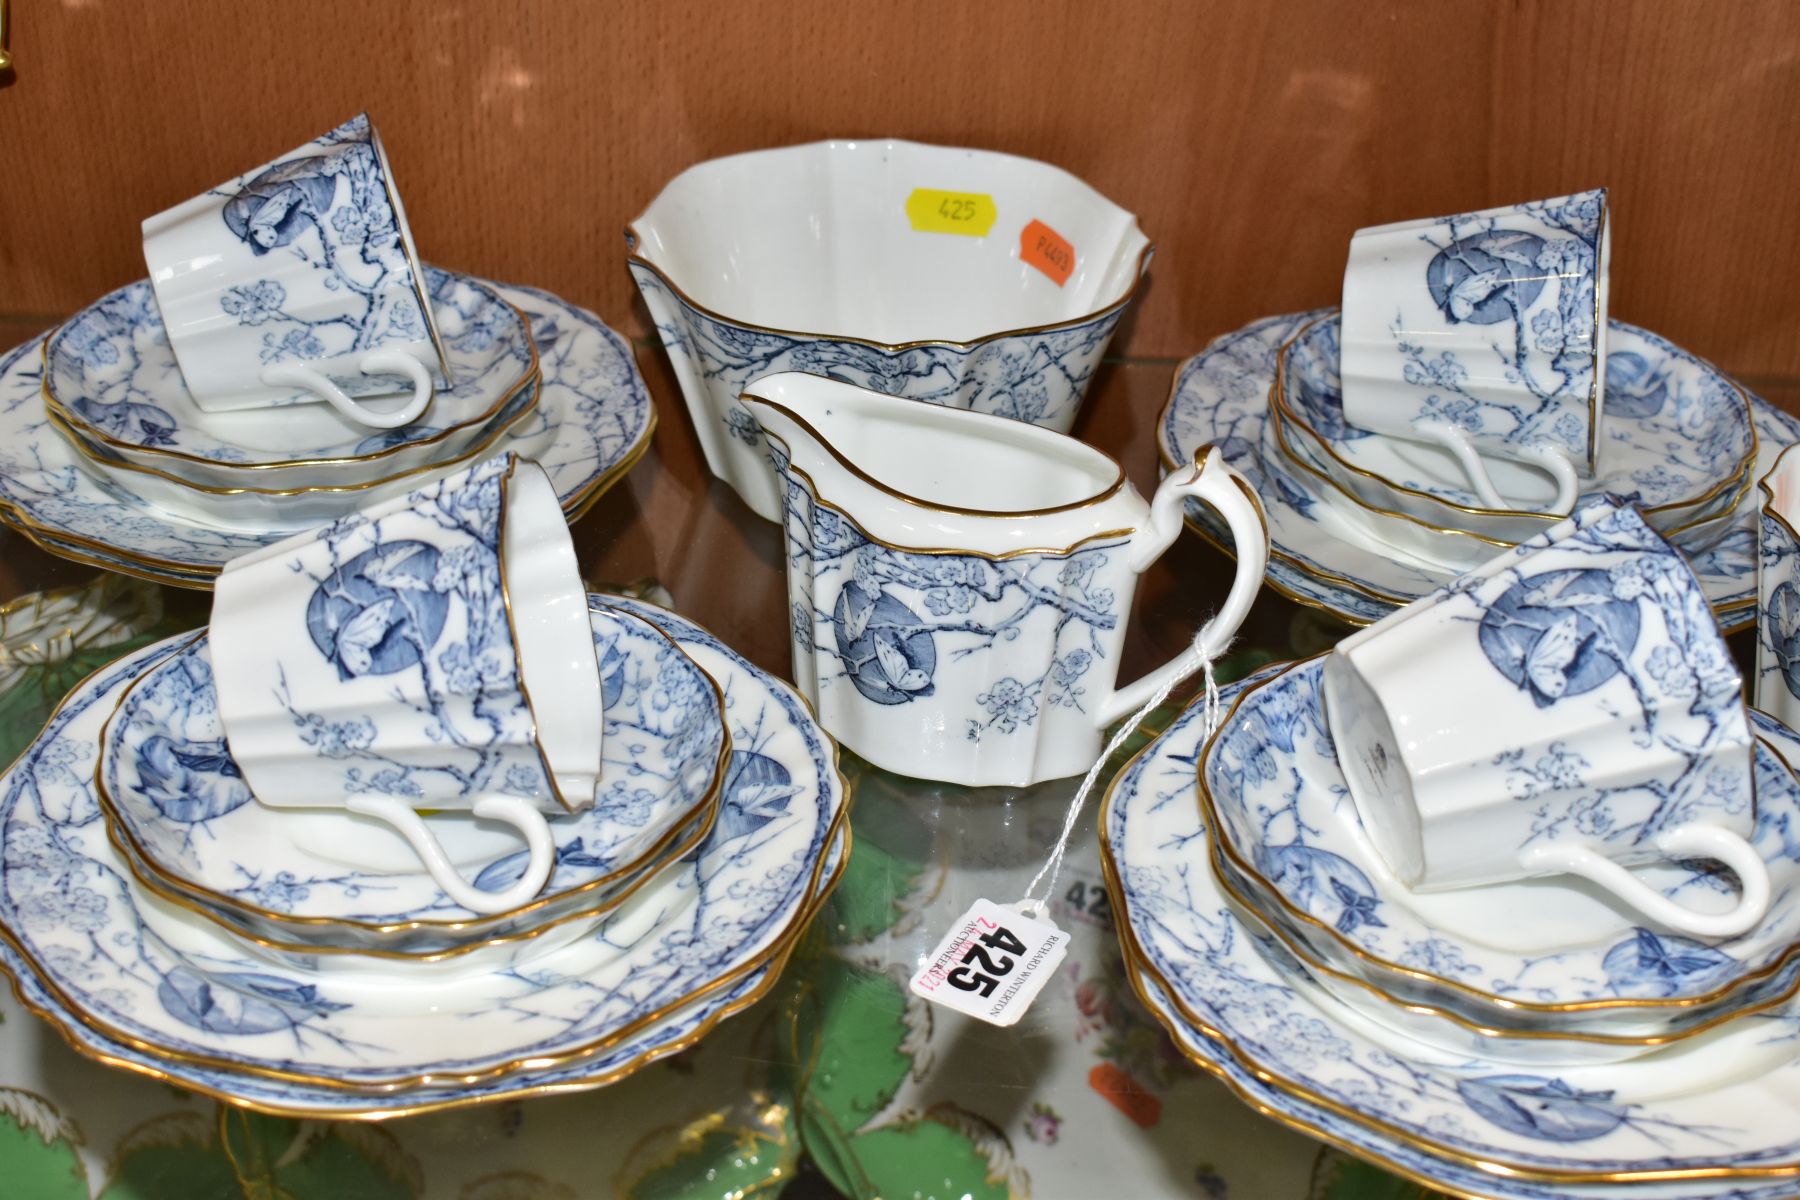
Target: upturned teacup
[
  {"x": 298, "y": 281},
  {"x": 1568, "y": 708},
  {"x": 1484, "y": 333},
  {"x": 432, "y": 652}
]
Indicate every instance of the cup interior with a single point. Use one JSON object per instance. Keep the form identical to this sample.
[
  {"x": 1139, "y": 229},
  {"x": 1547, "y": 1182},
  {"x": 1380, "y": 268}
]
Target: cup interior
[
  {"x": 939, "y": 457},
  {"x": 818, "y": 239}
]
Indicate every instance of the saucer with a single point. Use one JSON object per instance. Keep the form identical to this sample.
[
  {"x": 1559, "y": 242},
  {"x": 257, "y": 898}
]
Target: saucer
[
  {"x": 1677, "y": 441},
  {"x": 593, "y": 420},
  {"x": 112, "y": 381},
  {"x": 1397, "y": 1156},
  {"x": 1716, "y": 1106},
  {"x": 1318, "y": 557},
  {"x": 322, "y": 880},
  {"x": 717, "y": 918},
  {"x": 1568, "y": 959}
]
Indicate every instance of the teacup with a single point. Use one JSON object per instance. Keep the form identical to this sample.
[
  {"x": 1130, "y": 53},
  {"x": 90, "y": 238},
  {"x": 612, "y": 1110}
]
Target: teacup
[
  {"x": 1778, "y": 592},
  {"x": 959, "y": 584},
  {"x": 298, "y": 281},
  {"x": 1484, "y": 333},
  {"x": 1568, "y": 708},
  {"x": 388, "y": 662}
]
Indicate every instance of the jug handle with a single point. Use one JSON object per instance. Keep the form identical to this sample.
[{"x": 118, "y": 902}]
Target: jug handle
[{"x": 1215, "y": 483}]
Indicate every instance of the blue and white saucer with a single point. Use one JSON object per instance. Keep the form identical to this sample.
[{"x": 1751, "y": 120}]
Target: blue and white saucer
[
  {"x": 1318, "y": 555},
  {"x": 593, "y": 420},
  {"x": 112, "y": 380},
  {"x": 323, "y": 881},
  {"x": 1703, "y": 1119},
  {"x": 1567, "y": 959},
  {"x": 1676, "y": 440},
  {"x": 657, "y": 974}
]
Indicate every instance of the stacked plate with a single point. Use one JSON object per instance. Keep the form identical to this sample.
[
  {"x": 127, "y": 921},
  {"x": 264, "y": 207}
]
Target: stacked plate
[
  {"x": 302, "y": 962},
  {"x": 108, "y": 459},
  {"x": 1361, "y": 524},
  {"x": 1520, "y": 1040}
]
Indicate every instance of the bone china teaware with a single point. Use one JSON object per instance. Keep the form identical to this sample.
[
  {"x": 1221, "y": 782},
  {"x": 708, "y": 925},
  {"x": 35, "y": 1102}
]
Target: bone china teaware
[
  {"x": 1569, "y": 708},
  {"x": 960, "y": 277},
  {"x": 959, "y": 584},
  {"x": 429, "y": 652},
  {"x": 298, "y": 281},
  {"x": 1484, "y": 333},
  {"x": 1778, "y": 592}
]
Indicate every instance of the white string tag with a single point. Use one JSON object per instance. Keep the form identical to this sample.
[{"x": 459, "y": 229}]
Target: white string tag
[
  {"x": 997, "y": 958},
  {"x": 993, "y": 964}
]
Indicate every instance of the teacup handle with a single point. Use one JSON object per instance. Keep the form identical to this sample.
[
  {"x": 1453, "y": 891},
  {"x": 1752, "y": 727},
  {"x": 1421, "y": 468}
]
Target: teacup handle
[
  {"x": 1213, "y": 482},
  {"x": 1685, "y": 841},
  {"x": 516, "y": 811},
  {"x": 375, "y": 362},
  {"x": 1551, "y": 459}
]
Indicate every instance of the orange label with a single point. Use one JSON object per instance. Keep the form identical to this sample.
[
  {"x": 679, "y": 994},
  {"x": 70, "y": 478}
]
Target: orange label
[
  {"x": 1048, "y": 251},
  {"x": 1126, "y": 1095}
]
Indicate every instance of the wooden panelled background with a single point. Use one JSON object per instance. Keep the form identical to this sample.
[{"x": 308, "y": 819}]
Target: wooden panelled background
[{"x": 1252, "y": 136}]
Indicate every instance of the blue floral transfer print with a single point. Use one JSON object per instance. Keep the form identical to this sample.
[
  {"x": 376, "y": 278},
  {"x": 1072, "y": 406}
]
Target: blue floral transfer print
[
  {"x": 1564, "y": 632},
  {"x": 592, "y": 418},
  {"x": 1778, "y": 622},
  {"x": 1236, "y": 1008},
  {"x": 381, "y": 611},
  {"x": 329, "y": 216},
  {"x": 1486, "y": 274},
  {"x": 664, "y": 738},
  {"x": 1273, "y": 777},
  {"x": 65, "y": 901},
  {"x": 895, "y": 620}
]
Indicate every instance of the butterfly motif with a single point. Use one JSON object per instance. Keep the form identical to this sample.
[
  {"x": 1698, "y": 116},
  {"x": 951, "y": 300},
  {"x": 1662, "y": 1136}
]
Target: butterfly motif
[
  {"x": 358, "y": 637},
  {"x": 1358, "y": 908},
  {"x": 901, "y": 674},
  {"x": 1548, "y": 661},
  {"x": 1674, "y": 957},
  {"x": 384, "y": 568},
  {"x": 859, "y": 606}
]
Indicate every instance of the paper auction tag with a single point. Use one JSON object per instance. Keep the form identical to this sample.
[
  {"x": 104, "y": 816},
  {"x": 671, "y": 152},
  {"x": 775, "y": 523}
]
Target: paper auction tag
[
  {"x": 1047, "y": 250},
  {"x": 971, "y": 214},
  {"x": 992, "y": 963}
]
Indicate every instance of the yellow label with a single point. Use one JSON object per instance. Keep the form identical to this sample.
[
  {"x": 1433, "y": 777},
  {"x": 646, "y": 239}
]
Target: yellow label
[{"x": 969, "y": 213}]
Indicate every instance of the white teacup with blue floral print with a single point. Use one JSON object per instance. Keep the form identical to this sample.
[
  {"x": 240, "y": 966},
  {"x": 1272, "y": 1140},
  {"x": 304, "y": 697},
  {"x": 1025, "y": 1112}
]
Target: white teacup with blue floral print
[
  {"x": 430, "y": 652},
  {"x": 1570, "y": 708},
  {"x": 298, "y": 281},
  {"x": 960, "y": 583},
  {"x": 1484, "y": 333}
]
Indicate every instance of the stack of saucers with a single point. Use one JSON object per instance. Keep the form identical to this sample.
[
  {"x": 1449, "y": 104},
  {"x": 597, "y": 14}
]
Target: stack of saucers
[
  {"x": 112, "y": 388},
  {"x": 289, "y": 359},
  {"x": 302, "y": 961},
  {"x": 1366, "y": 512},
  {"x": 1530, "y": 1036}
]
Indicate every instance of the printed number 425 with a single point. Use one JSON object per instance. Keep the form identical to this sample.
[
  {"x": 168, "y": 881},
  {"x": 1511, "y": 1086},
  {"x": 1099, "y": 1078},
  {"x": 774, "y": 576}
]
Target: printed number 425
[
  {"x": 1002, "y": 941},
  {"x": 953, "y": 209}
]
